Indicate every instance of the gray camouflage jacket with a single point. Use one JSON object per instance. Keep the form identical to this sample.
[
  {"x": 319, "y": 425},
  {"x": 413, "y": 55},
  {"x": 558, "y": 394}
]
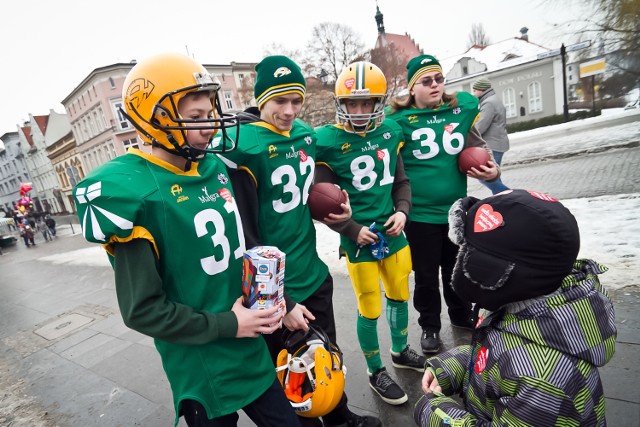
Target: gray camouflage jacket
[{"x": 535, "y": 367}]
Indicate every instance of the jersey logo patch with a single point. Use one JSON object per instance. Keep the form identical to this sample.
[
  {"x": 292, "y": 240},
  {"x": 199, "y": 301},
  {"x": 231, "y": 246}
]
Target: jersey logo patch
[
  {"x": 380, "y": 154},
  {"x": 207, "y": 197},
  {"x": 225, "y": 194},
  {"x": 386, "y": 135},
  {"x": 345, "y": 148},
  {"x": 303, "y": 155},
  {"x": 273, "y": 151},
  {"x": 223, "y": 178},
  {"x": 176, "y": 190},
  {"x": 308, "y": 140}
]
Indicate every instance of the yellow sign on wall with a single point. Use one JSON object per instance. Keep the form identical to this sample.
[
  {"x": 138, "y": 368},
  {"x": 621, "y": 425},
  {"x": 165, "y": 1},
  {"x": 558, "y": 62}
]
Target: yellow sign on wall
[{"x": 590, "y": 68}]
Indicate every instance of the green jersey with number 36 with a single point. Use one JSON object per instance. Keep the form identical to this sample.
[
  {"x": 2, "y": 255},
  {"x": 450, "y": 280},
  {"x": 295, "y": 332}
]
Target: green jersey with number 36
[
  {"x": 283, "y": 166},
  {"x": 433, "y": 140},
  {"x": 192, "y": 222},
  {"x": 364, "y": 165}
]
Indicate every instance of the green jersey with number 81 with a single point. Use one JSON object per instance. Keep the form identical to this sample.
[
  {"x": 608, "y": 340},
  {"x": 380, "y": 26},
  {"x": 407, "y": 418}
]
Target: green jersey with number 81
[
  {"x": 282, "y": 165},
  {"x": 364, "y": 165},
  {"x": 192, "y": 222},
  {"x": 433, "y": 140}
]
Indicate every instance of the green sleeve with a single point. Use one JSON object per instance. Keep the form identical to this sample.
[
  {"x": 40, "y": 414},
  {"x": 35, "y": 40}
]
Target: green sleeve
[{"x": 145, "y": 308}]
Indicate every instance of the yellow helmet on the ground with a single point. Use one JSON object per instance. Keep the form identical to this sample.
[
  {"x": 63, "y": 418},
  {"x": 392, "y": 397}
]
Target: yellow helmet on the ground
[
  {"x": 151, "y": 94},
  {"x": 360, "y": 80},
  {"x": 311, "y": 372}
]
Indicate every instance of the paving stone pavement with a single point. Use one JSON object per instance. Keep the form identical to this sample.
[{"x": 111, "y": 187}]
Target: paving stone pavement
[{"x": 99, "y": 373}]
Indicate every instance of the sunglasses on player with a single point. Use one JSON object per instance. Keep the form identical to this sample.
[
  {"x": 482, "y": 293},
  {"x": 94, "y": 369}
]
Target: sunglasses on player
[{"x": 428, "y": 81}]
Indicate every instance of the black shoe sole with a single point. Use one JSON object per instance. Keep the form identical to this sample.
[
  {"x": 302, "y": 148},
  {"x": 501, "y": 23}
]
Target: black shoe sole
[{"x": 430, "y": 350}]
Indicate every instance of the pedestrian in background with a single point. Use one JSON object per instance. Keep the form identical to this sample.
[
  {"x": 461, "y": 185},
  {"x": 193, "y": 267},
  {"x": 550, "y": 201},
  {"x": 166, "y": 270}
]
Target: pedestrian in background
[
  {"x": 492, "y": 125},
  {"x": 437, "y": 126}
]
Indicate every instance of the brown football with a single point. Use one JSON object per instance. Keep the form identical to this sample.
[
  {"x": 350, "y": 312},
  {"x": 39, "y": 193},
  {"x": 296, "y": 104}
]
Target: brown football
[
  {"x": 472, "y": 157},
  {"x": 325, "y": 198}
]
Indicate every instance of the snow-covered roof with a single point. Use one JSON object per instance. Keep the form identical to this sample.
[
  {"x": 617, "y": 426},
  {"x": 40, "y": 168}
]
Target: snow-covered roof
[{"x": 503, "y": 54}]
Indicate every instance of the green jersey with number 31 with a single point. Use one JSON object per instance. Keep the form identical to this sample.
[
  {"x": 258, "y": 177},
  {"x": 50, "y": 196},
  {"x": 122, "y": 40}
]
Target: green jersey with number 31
[{"x": 192, "y": 222}]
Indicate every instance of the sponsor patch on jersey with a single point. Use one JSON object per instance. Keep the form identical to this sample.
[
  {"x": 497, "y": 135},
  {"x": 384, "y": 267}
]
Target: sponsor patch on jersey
[
  {"x": 308, "y": 140},
  {"x": 380, "y": 154},
  {"x": 303, "y": 156},
  {"x": 386, "y": 135},
  {"x": 449, "y": 128},
  {"x": 223, "y": 178},
  {"x": 225, "y": 194},
  {"x": 486, "y": 219}
]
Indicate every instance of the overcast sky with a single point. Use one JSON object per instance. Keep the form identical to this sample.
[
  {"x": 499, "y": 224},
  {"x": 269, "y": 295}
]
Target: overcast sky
[{"x": 48, "y": 47}]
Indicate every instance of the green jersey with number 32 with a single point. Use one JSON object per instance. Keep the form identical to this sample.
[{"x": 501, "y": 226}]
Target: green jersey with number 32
[
  {"x": 283, "y": 166},
  {"x": 191, "y": 219},
  {"x": 433, "y": 140},
  {"x": 364, "y": 165}
]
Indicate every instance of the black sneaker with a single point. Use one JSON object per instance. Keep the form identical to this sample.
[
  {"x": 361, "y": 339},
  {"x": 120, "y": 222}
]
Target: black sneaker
[
  {"x": 356, "y": 420},
  {"x": 430, "y": 342},
  {"x": 466, "y": 324},
  {"x": 386, "y": 387},
  {"x": 408, "y": 359}
]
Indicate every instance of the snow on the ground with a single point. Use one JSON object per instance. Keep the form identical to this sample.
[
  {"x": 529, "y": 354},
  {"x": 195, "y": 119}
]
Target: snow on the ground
[
  {"x": 609, "y": 234},
  {"x": 609, "y": 225}
]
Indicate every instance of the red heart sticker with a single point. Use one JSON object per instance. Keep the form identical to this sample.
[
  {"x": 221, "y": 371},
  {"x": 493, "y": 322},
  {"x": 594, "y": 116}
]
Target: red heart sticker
[
  {"x": 486, "y": 219},
  {"x": 225, "y": 194},
  {"x": 303, "y": 155},
  {"x": 380, "y": 154},
  {"x": 542, "y": 196},
  {"x": 481, "y": 360}
]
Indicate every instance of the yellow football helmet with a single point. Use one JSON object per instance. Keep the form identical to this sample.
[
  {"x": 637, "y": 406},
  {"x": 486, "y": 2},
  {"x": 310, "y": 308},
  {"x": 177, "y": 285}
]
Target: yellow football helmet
[
  {"x": 360, "y": 80},
  {"x": 151, "y": 93},
  {"x": 311, "y": 372}
]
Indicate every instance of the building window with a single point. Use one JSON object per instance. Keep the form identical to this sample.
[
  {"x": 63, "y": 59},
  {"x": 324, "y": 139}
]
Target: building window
[
  {"x": 535, "y": 97},
  {"x": 123, "y": 123},
  {"x": 509, "y": 101},
  {"x": 133, "y": 143},
  {"x": 228, "y": 99},
  {"x": 112, "y": 83}
]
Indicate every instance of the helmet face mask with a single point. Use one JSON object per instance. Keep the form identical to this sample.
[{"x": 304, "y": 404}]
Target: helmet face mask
[
  {"x": 152, "y": 93},
  {"x": 360, "y": 80},
  {"x": 310, "y": 370}
]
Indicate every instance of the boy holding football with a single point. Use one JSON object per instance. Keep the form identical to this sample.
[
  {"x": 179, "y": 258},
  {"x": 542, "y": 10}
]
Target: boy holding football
[{"x": 360, "y": 154}]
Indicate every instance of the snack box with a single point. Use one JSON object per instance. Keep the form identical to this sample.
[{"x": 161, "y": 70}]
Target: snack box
[{"x": 263, "y": 278}]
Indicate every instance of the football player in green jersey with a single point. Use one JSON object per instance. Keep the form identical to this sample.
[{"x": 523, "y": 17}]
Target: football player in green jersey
[
  {"x": 437, "y": 127},
  {"x": 360, "y": 154},
  {"x": 274, "y": 167},
  {"x": 171, "y": 227}
]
